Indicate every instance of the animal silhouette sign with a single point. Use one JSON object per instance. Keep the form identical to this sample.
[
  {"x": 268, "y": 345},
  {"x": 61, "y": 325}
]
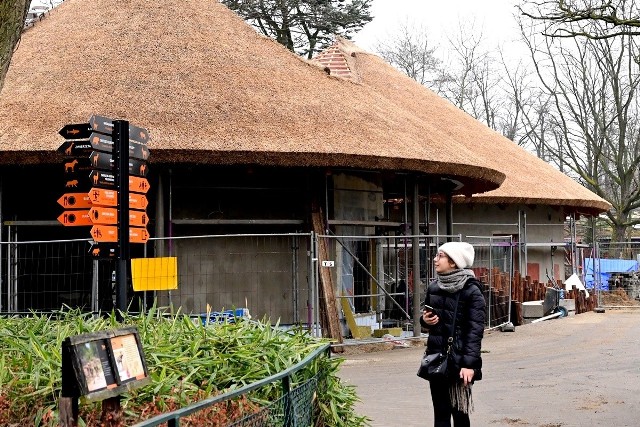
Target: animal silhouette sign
[
  {"x": 102, "y": 142},
  {"x": 106, "y": 161},
  {"x": 103, "y": 250},
  {"x": 104, "y": 125},
  {"x": 74, "y": 148},
  {"x": 75, "y": 131}
]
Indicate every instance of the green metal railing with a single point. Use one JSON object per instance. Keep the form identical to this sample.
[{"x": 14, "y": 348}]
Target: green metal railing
[{"x": 293, "y": 409}]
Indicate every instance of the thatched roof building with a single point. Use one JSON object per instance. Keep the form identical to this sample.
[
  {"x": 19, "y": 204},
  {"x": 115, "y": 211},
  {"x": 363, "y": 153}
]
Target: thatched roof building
[
  {"x": 212, "y": 91},
  {"x": 529, "y": 180}
]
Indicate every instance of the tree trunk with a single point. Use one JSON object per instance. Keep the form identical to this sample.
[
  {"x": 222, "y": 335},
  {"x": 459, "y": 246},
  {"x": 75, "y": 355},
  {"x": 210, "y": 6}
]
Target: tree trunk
[{"x": 12, "y": 16}]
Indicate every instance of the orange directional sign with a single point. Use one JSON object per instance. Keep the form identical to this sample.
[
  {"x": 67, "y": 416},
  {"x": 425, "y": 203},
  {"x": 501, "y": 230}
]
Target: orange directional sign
[
  {"x": 75, "y": 200},
  {"x": 109, "y": 216},
  {"x": 138, "y": 218},
  {"x": 104, "y": 197},
  {"x": 104, "y": 233},
  {"x": 138, "y": 235},
  {"x": 138, "y": 185},
  {"x": 138, "y": 201},
  {"x": 102, "y": 215},
  {"x": 109, "y": 233},
  {"x": 75, "y": 218}
]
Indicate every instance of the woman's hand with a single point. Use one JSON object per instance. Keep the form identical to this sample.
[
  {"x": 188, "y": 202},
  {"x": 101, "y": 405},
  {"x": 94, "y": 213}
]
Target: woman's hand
[
  {"x": 430, "y": 318},
  {"x": 466, "y": 375}
]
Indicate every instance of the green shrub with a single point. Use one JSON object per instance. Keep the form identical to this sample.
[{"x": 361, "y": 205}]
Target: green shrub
[{"x": 187, "y": 362}]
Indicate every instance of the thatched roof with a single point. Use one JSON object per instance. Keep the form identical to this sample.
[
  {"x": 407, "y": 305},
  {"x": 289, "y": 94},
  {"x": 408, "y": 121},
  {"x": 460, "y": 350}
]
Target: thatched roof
[
  {"x": 529, "y": 180},
  {"x": 210, "y": 90}
]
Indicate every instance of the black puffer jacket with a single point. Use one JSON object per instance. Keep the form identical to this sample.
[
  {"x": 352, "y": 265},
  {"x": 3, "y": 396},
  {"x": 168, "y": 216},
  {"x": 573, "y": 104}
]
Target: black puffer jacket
[{"x": 469, "y": 323}]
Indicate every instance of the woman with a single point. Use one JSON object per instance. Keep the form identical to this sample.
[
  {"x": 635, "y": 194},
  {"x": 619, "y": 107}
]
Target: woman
[{"x": 452, "y": 397}]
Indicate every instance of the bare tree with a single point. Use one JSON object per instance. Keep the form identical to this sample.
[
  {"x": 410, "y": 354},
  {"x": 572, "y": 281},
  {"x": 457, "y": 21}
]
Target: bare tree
[
  {"x": 410, "y": 51},
  {"x": 12, "y": 16},
  {"x": 593, "y": 87},
  {"x": 488, "y": 88},
  {"x": 595, "y": 19}
]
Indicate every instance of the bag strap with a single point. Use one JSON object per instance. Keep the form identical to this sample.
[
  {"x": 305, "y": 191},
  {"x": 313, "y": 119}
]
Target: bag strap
[{"x": 453, "y": 324}]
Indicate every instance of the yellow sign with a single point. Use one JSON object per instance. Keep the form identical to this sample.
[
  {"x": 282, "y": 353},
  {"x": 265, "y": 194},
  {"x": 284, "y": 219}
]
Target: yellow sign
[{"x": 154, "y": 274}]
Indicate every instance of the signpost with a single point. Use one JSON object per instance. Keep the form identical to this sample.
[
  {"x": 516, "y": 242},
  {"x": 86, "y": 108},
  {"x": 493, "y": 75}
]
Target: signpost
[{"x": 116, "y": 153}]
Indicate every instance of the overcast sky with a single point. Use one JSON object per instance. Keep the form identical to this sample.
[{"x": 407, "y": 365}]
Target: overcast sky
[{"x": 494, "y": 17}]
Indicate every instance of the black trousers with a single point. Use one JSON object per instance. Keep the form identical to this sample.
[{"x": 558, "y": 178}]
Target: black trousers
[{"x": 442, "y": 410}]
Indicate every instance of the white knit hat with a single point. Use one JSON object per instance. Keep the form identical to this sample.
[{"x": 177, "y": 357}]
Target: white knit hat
[{"x": 461, "y": 253}]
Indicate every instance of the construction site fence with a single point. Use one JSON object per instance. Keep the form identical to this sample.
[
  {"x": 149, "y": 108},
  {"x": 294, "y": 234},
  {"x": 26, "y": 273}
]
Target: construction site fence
[
  {"x": 273, "y": 275},
  {"x": 613, "y": 274}
]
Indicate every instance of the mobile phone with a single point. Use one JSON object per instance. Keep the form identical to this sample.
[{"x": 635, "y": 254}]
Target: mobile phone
[{"x": 428, "y": 308}]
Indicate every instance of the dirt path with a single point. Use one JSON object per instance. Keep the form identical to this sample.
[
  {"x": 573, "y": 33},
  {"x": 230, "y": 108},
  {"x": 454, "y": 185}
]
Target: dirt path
[{"x": 576, "y": 371}]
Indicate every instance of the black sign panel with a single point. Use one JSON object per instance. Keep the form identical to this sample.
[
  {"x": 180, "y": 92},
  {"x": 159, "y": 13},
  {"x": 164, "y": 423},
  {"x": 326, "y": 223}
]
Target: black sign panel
[
  {"x": 102, "y": 179},
  {"x": 75, "y": 131},
  {"x": 101, "y": 142},
  {"x": 103, "y": 250},
  {"x": 104, "y": 125},
  {"x": 75, "y": 148},
  {"x": 105, "y": 143},
  {"x": 104, "y": 161},
  {"x": 100, "y": 160},
  {"x": 138, "y": 167}
]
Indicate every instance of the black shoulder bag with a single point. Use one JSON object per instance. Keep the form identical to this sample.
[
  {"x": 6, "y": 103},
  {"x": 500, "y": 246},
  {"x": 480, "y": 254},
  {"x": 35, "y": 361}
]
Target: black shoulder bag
[{"x": 440, "y": 366}]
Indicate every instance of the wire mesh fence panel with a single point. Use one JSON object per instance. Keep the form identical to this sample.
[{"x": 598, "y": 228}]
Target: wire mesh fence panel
[
  {"x": 270, "y": 415},
  {"x": 47, "y": 276},
  {"x": 375, "y": 276},
  {"x": 493, "y": 266},
  {"x": 293, "y": 409},
  {"x": 614, "y": 274},
  {"x": 267, "y": 274}
]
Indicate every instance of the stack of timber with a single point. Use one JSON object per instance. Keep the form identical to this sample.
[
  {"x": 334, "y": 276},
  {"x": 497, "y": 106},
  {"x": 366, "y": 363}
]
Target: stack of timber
[
  {"x": 526, "y": 289},
  {"x": 523, "y": 289},
  {"x": 496, "y": 295}
]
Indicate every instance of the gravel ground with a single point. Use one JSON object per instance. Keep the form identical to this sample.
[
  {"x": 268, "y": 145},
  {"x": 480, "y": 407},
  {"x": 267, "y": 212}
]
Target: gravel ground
[{"x": 579, "y": 370}]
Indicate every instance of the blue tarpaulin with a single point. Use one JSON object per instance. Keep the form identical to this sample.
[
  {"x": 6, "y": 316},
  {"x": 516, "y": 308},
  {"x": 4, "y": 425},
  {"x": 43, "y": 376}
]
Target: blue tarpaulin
[{"x": 605, "y": 268}]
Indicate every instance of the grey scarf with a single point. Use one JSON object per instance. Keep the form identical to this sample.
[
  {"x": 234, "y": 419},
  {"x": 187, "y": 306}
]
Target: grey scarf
[
  {"x": 454, "y": 281},
  {"x": 460, "y": 397}
]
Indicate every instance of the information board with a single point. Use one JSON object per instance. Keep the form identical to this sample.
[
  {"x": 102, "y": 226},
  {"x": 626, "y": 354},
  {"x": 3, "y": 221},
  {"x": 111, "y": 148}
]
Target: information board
[{"x": 103, "y": 364}]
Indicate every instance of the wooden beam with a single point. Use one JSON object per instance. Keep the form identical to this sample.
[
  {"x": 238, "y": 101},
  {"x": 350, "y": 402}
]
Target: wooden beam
[{"x": 328, "y": 303}]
